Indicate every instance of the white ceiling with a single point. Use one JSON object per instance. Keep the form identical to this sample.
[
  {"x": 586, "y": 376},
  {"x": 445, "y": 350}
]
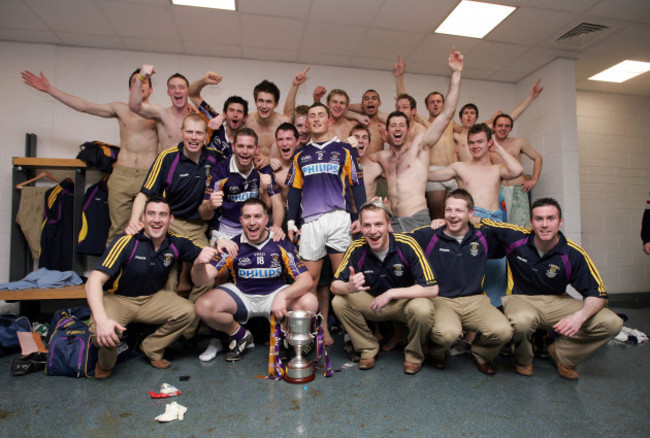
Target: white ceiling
[{"x": 349, "y": 33}]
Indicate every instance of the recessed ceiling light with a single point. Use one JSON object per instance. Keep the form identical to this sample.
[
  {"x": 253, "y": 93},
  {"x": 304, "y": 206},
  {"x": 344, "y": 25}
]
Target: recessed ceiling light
[
  {"x": 228, "y": 5},
  {"x": 622, "y": 71},
  {"x": 474, "y": 19}
]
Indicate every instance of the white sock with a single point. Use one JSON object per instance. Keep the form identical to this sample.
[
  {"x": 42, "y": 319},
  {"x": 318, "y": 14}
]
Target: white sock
[{"x": 214, "y": 347}]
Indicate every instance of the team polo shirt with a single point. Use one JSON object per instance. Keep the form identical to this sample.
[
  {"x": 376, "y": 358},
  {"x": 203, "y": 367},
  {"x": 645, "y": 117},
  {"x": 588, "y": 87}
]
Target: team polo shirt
[
  {"x": 322, "y": 173},
  {"x": 236, "y": 188},
  {"x": 137, "y": 269},
  {"x": 218, "y": 138},
  {"x": 403, "y": 266},
  {"x": 459, "y": 267},
  {"x": 530, "y": 274},
  {"x": 180, "y": 180},
  {"x": 260, "y": 269}
]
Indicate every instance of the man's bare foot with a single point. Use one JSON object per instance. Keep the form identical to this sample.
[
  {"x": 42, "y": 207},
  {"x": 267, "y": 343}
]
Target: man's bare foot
[
  {"x": 376, "y": 333},
  {"x": 327, "y": 338},
  {"x": 469, "y": 337},
  {"x": 396, "y": 340}
]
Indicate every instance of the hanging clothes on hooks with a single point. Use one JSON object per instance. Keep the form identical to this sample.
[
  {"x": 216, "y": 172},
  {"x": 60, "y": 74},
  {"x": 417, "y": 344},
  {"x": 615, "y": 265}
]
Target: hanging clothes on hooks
[
  {"x": 56, "y": 235},
  {"x": 95, "y": 220}
]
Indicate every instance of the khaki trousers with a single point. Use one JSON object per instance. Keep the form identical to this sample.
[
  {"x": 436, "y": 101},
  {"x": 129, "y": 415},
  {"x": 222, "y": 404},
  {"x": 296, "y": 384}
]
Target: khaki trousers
[
  {"x": 473, "y": 313},
  {"x": 123, "y": 186},
  {"x": 353, "y": 310},
  {"x": 527, "y": 313},
  {"x": 174, "y": 314}
]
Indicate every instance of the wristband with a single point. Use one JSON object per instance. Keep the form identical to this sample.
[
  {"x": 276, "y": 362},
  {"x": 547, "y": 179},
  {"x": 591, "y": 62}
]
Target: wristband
[{"x": 141, "y": 78}]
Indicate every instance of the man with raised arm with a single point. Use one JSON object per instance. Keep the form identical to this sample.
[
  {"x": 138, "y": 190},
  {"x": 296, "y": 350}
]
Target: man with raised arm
[
  {"x": 266, "y": 120},
  {"x": 257, "y": 285},
  {"x": 127, "y": 286},
  {"x": 406, "y": 165},
  {"x": 515, "y": 191},
  {"x": 168, "y": 120},
  {"x": 384, "y": 277},
  {"x": 224, "y": 126},
  {"x": 138, "y": 143}
]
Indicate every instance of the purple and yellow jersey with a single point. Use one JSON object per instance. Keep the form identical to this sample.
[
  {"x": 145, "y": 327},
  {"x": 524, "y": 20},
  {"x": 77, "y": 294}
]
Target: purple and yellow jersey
[
  {"x": 323, "y": 172},
  {"x": 236, "y": 189},
  {"x": 217, "y": 138},
  {"x": 260, "y": 269}
]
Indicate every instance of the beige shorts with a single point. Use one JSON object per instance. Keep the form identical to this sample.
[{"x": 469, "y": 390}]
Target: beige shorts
[{"x": 448, "y": 186}]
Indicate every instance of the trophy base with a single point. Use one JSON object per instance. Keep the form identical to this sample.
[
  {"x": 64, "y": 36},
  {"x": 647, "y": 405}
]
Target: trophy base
[{"x": 299, "y": 375}]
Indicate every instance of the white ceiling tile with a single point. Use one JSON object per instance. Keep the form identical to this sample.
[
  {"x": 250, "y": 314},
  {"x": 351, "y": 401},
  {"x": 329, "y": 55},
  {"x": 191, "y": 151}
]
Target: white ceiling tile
[
  {"x": 434, "y": 49},
  {"x": 630, "y": 41},
  {"x": 577, "y": 6},
  {"x": 373, "y": 63},
  {"x": 213, "y": 49},
  {"x": 269, "y": 54},
  {"x": 275, "y": 33},
  {"x": 428, "y": 68},
  {"x": 16, "y": 14},
  {"x": 276, "y": 8},
  {"x": 340, "y": 40},
  {"x": 77, "y": 16},
  {"x": 492, "y": 54},
  {"x": 203, "y": 25},
  {"x": 387, "y": 44},
  {"x": 477, "y": 73},
  {"x": 357, "y": 13},
  {"x": 507, "y": 76},
  {"x": 633, "y": 10},
  {"x": 533, "y": 59},
  {"x": 535, "y": 21},
  {"x": 86, "y": 40},
  {"x": 29, "y": 36},
  {"x": 314, "y": 58},
  {"x": 413, "y": 15},
  {"x": 153, "y": 45},
  {"x": 141, "y": 21}
]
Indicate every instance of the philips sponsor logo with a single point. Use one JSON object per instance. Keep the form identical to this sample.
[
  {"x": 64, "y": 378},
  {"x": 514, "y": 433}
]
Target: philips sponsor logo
[
  {"x": 312, "y": 169},
  {"x": 260, "y": 273},
  {"x": 242, "y": 196}
]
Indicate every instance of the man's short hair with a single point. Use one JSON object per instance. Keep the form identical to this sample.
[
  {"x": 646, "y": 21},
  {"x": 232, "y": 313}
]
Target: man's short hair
[
  {"x": 340, "y": 92},
  {"x": 196, "y": 117},
  {"x": 244, "y": 132},
  {"x": 254, "y": 201},
  {"x": 267, "y": 87},
  {"x": 318, "y": 104},
  {"x": 137, "y": 72},
  {"x": 236, "y": 99},
  {"x": 157, "y": 199},
  {"x": 546, "y": 202},
  {"x": 507, "y": 116},
  {"x": 408, "y": 97},
  {"x": 468, "y": 106},
  {"x": 426, "y": 99},
  {"x": 464, "y": 195},
  {"x": 375, "y": 205},
  {"x": 180, "y": 76},
  {"x": 370, "y": 90},
  {"x": 480, "y": 127},
  {"x": 360, "y": 127},
  {"x": 397, "y": 114},
  {"x": 286, "y": 126},
  {"x": 299, "y": 111}
]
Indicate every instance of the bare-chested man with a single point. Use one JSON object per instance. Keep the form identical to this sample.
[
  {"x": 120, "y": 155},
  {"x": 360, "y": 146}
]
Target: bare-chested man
[
  {"x": 299, "y": 120},
  {"x": 482, "y": 180},
  {"x": 266, "y": 120},
  {"x": 515, "y": 191},
  {"x": 168, "y": 120},
  {"x": 138, "y": 143},
  {"x": 406, "y": 165},
  {"x": 371, "y": 169}
]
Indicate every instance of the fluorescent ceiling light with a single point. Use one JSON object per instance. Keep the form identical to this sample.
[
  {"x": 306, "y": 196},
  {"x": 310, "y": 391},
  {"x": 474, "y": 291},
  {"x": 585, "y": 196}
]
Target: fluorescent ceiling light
[
  {"x": 622, "y": 71},
  {"x": 214, "y": 4},
  {"x": 474, "y": 19}
]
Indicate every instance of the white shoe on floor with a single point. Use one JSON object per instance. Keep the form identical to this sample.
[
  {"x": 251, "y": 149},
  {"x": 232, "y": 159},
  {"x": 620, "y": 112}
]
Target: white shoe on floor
[
  {"x": 173, "y": 411},
  {"x": 214, "y": 347}
]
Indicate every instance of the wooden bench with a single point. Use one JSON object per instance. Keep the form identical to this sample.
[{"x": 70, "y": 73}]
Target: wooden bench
[{"x": 60, "y": 293}]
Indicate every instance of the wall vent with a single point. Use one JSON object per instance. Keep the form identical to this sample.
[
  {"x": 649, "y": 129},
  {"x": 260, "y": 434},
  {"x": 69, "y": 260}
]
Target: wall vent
[{"x": 583, "y": 35}]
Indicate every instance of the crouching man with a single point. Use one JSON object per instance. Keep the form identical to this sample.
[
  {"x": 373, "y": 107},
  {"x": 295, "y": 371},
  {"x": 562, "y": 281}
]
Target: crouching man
[
  {"x": 384, "y": 277},
  {"x": 257, "y": 284},
  {"x": 126, "y": 284}
]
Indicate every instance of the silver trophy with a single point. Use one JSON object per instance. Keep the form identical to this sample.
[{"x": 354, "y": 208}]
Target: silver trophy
[{"x": 300, "y": 370}]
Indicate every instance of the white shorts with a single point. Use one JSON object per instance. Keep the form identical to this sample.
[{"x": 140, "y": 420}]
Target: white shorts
[
  {"x": 250, "y": 306},
  {"x": 449, "y": 186},
  {"x": 329, "y": 230}
]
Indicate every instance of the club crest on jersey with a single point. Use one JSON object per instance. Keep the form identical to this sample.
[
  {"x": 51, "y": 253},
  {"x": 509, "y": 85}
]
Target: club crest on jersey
[
  {"x": 168, "y": 259},
  {"x": 398, "y": 269},
  {"x": 334, "y": 157},
  {"x": 275, "y": 260},
  {"x": 473, "y": 249},
  {"x": 552, "y": 271}
]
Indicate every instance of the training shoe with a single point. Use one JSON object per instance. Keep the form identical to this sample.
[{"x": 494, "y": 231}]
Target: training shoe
[
  {"x": 28, "y": 364},
  {"x": 102, "y": 374},
  {"x": 353, "y": 355},
  {"x": 566, "y": 372},
  {"x": 214, "y": 347},
  {"x": 524, "y": 370},
  {"x": 237, "y": 347}
]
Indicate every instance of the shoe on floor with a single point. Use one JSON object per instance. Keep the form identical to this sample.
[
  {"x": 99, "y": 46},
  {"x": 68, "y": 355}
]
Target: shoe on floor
[
  {"x": 353, "y": 355},
  {"x": 237, "y": 347},
  {"x": 28, "y": 364},
  {"x": 161, "y": 363},
  {"x": 566, "y": 372},
  {"x": 412, "y": 367},
  {"x": 486, "y": 368},
  {"x": 367, "y": 364},
  {"x": 438, "y": 364},
  {"x": 102, "y": 374},
  {"x": 524, "y": 370},
  {"x": 214, "y": 347}
]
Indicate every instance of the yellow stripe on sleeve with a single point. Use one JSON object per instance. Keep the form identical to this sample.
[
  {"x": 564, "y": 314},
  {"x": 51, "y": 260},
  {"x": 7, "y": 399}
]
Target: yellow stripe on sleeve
[
  {"x": 115, "y": 251},
  {"x": 426, "y": 268}
]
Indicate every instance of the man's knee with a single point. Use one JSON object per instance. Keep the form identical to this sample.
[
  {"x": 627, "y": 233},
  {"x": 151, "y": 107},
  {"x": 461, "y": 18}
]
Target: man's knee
[
  {"x": 522, "y": 320},
  {"x": 419, "y": 309},
  {"x": 499, "y": 332},
  {"x": 444, "y": 336},
  {"x": 608, "y": 322}
]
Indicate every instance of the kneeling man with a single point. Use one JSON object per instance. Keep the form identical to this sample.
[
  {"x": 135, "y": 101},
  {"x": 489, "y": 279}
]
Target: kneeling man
[
  {"x": 457, "y": 253},
  {"x": 257, "y": 286},
  {"x": 126, "y": 284},
  {"x": 384, "y": 277}
]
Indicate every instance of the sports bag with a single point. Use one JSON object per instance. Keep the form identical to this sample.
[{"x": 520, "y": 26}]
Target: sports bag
[{"x": 71, "y": 350}]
